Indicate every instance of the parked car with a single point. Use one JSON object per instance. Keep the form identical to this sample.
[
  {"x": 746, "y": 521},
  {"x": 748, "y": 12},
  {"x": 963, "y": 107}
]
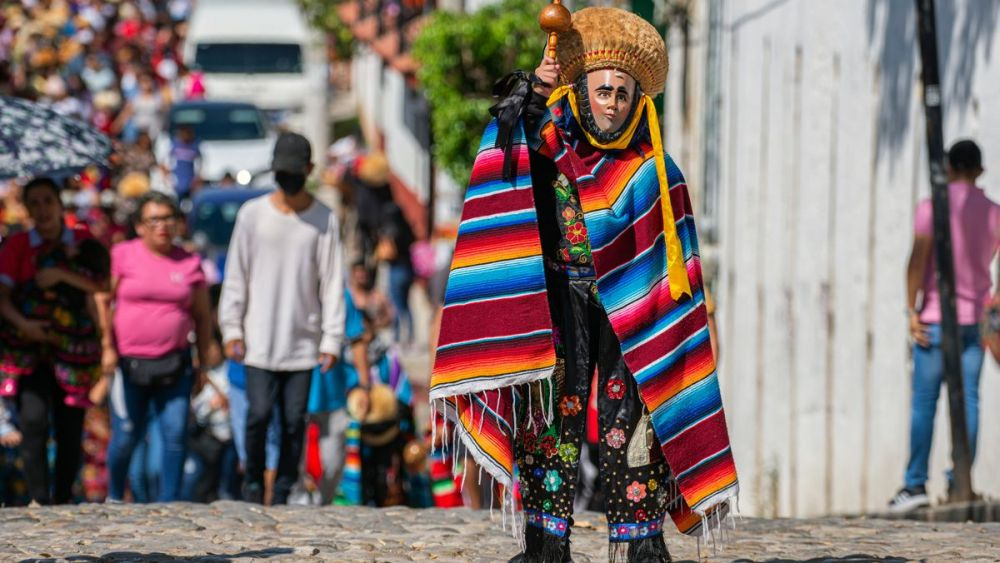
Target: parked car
[
  {"x": 234, "y": 138},
  {"x": 212, "y": 218},
  {"x": 263, "y": 52}
]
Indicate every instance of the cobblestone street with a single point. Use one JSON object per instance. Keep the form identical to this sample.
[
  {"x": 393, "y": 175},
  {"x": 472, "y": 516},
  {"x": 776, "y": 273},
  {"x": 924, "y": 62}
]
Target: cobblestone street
[{"x": 228, "y": 531}]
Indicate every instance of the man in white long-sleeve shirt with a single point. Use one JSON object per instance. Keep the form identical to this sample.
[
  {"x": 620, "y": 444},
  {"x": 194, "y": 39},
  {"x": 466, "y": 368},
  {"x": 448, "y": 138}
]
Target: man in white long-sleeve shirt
[{"x": 282, "y": 309}]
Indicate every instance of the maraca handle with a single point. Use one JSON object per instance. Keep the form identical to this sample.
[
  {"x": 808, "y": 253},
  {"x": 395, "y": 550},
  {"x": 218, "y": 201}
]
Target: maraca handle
[{"x": 553, "y": 40}]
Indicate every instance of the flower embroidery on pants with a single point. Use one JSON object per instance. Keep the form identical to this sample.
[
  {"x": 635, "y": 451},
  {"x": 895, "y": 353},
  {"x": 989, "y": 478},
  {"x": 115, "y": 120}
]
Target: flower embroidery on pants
[
  {"x": 548, "y": 446},
  {"x": 568, "y": 453},
  {"x": 616, "y": 388},
  {"x": 553, "y": 481},
  {"x": 636, "y": 491},
  {"x": 615, "y": 438},
  {"x": 570, "y": 406}
]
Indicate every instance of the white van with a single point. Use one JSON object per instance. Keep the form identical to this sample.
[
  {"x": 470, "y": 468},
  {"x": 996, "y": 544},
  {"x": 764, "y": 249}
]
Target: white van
[{"x": 265, "y": 53}]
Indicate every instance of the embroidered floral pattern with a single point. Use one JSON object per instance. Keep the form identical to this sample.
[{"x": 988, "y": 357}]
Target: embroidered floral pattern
[
  {"x": 575, "y": 245},
  {"x": 653, "y": 484},
  {"x": 571, "y": 405},
  {"x": 551, "y": 524},
  {"x": 615, "y": 388},
  {"x": 530, "y": 441},
  {"x": 640, "y": 515},
  {"x": 615, "y": 438},
  {"x": 637, "y": 531},
  {"x": 553, "y": 481},
  {"x": 548, "y": 446},
  {"x": 547, "y": 505},
  {"x": 576, "y": 234},
  {"x": 636, "y": 491},
  {"x": 568, "y": 453}
]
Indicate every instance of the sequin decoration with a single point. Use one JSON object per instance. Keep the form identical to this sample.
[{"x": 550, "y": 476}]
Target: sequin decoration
[
  {"x": 553, "y": 481},
  {"x": 615, "y": 438},
  {"x": 571, "y": 405},
  {"x": 615, "y": 388},
  {"x": 568, "y": 453},
  {"x": 636, "y": 491}
]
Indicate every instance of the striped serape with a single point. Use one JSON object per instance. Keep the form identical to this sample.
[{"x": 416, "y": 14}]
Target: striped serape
[{"x": 496, "y": 329}]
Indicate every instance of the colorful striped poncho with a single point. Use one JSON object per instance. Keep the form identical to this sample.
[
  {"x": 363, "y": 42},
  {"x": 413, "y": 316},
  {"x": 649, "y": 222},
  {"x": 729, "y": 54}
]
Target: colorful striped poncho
[{"x": 496, "y": 330}]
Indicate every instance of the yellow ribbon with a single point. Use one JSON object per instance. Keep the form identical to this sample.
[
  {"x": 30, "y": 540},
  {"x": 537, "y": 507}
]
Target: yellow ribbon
[{"x": 677, "y": 275}]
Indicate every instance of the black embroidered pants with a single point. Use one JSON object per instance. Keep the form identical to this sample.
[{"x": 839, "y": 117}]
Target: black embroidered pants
[{"x": 633, "y": 474}]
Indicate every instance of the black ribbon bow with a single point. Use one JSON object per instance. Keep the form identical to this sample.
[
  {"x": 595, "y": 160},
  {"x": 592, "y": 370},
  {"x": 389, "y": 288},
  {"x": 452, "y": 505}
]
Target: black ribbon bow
[{"x": 513, "y": 92}]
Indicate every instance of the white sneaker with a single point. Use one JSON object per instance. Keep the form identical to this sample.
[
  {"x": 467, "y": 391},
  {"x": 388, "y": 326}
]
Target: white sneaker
[{"x": 909, "y": 499}]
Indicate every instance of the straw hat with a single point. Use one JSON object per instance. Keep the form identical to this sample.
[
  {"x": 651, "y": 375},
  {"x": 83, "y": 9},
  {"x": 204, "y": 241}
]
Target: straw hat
[
  {"x": 374, "y": 169},
  {"x": 133, "y": 185},
  {"x": 613, "y": 38},
  {"x": 381, "y": 422}
]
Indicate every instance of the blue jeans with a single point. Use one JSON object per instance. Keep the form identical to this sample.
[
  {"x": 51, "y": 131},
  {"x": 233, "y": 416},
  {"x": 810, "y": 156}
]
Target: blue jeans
[
  {"x": 928, "y": 375},
  {"x": 400, "y": 280},
  {"x": 238, "y": 418},
  {"x": 144, "y": 469},
  {"x": 129, "y": 416}
]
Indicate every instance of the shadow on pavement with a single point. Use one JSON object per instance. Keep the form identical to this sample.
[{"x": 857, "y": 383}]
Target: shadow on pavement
[
  {"x": 859, "y": 558},
  {"x": 137, "y": 557}
]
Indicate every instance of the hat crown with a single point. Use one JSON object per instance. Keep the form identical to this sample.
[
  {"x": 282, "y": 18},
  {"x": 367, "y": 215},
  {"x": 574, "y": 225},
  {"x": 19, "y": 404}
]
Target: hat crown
[{"x": 613, "y": 38}]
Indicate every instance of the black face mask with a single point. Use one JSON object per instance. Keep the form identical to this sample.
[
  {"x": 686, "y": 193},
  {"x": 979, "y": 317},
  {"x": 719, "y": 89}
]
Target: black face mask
[{"x": 289, "y": 182}]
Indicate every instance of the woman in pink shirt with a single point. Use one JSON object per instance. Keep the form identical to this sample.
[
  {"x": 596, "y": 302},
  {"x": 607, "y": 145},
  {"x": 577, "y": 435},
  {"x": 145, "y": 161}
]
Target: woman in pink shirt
[
  {"x": 975, "y": 236},
  {"x": 159, "y": 297}
]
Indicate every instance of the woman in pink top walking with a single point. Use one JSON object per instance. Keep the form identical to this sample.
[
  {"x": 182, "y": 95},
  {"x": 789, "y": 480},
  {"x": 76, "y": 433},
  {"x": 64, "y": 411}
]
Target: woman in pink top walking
[
  {"x": 975, "y": 234},
  {"x": 159, "y": 297}
]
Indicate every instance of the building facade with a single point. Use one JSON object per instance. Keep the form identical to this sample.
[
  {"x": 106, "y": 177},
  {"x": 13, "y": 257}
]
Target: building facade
[{"x": 800, "y": 127}]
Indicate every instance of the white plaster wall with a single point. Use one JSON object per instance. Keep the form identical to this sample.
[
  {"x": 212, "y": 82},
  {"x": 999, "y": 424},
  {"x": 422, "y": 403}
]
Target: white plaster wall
[
  {"x": 408, "y": 159},
  {"x": 822, "y": 160},
  {"x": 379, "y": 94}
]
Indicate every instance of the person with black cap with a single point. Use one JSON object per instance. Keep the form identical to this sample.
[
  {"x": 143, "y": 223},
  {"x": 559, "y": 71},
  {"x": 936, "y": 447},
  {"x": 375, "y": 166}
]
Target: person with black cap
[{"x": 282, "y": 308}]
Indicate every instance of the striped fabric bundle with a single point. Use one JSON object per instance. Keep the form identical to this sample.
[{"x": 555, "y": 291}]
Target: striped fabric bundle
[{"x": 496, "y": 330}]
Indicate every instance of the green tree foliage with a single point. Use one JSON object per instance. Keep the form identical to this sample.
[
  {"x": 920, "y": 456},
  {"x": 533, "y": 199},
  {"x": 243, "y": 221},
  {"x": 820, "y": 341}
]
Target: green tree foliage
[
  {"x": 461, "y": 56},
  {"x": 322, "y": 15}
]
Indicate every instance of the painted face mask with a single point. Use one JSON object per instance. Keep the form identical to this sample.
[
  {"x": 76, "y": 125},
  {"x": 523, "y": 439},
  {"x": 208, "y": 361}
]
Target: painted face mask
[{"x": 607, "y": 101}]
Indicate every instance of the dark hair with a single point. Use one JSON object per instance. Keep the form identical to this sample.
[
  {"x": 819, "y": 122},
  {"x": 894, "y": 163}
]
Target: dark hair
[
  {"x": 158, "y": 198},
  {"x": 41, "y": 182},
  {"x": 965, "y": 156}
]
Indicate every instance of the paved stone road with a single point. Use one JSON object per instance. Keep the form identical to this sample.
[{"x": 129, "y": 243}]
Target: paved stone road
[{"x": 229, "y": 531}]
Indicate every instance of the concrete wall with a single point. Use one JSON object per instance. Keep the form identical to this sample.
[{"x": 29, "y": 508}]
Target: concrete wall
[{"x": 820, "y": 161}]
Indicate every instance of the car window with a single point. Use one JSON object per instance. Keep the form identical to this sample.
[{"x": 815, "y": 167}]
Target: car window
[
  {"x": 216, "y": 221},
  {"x": 249, "y": 58},
  {"x": 220, "y": 123}
]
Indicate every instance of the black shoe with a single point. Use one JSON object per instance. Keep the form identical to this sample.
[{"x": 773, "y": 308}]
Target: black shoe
[
  {"x": 543, "y": 548},
  {"x": 253, "y": 493},
  {"x": 648, "y": 550},
  {"x": 908, "y": 499}
]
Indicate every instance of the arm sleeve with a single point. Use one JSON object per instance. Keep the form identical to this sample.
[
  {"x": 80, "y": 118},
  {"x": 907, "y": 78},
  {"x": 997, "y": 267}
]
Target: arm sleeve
[
  {"x": 331, "y": 287},
  {"x": 354, "y": 328},
  {"x": 11, "y": 257},
  {"x": 923, "y": 219},
  {"x": 233, "y": 301}
]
